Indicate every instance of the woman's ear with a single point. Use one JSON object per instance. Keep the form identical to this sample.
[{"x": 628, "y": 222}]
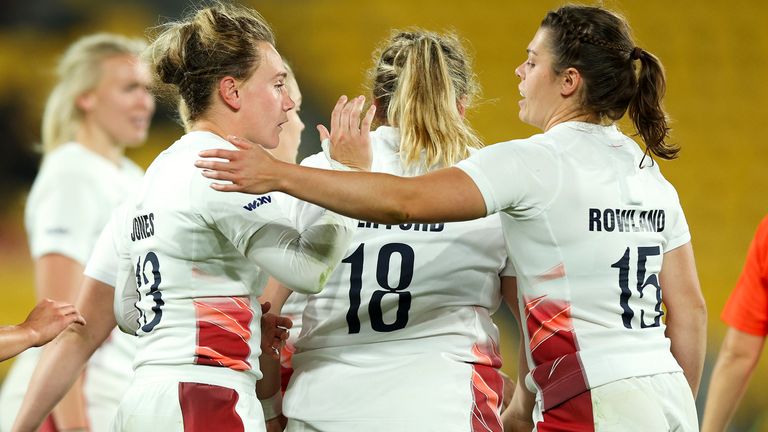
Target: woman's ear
[
  {"x": 86, "y": 101},
  {"x": 230, "y": 93},
  {"x": 570, "y": 82}
]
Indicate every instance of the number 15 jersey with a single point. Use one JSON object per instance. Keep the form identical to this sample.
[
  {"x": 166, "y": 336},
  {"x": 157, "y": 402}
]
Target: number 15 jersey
[{"x": 587, "y": 230}]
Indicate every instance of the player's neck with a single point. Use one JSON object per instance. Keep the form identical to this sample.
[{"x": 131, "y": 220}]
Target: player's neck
[{"x": 99, "y": 142}]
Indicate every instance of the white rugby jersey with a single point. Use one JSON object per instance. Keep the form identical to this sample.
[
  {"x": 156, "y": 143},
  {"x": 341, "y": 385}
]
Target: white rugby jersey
[
  {"x": 192, "y": 262},
  {"x": 71, "y": 201},
  {"x": 404, "y": 296},
  {"x": 587, "y": 230}
]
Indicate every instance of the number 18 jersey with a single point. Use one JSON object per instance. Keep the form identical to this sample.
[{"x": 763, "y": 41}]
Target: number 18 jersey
[{"x": 391, "y": 342}]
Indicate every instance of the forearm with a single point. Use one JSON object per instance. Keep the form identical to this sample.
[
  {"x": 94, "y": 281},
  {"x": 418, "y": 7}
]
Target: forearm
[
  {"x": 302, "y": 261},
  {"x": 350, "y": 193},
  {"x": 269, "y": 385},
  {"x": 737, "y": 359},
  {"x": 60, "y": 365},
  {"x": 445, "y": 195},
  {"x": 728, "y": 384},
  {"x": 70, "y": 413},
  {"x": 14, "y": 340},
  {"x": 688, "y": 336}
]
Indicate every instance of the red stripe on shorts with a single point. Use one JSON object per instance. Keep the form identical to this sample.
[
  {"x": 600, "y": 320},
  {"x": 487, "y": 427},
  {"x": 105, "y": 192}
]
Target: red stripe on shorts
[
  {"x": 206, "y": 407},
  {"x": 487, "y": 388},
  {"x": 573, "y": 415},
  {"x": 223, "y": 332}
]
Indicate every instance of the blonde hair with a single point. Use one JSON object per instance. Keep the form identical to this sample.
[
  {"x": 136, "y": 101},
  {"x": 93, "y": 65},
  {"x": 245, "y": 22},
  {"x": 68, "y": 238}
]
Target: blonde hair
[
  {"x": 190, "y": 56},
  {"x": 418, "y": 79},
  {"x": 79, "y": 71}
]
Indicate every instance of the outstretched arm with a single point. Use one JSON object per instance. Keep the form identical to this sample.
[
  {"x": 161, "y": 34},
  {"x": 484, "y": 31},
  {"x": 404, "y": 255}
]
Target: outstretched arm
[
  {"x": 735, "y": 363},
  {"x": 442, "y": 196},
  {"x": 45, "y": 322},
  {"x": 64, "y": 359},
  {"x": 686, "y": 312}
]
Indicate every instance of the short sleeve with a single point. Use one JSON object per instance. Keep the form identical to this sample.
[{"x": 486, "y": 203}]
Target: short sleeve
[
  {"x": 678, "y": 233},
  {"x": 64, "y": 217},
  {"x": 104, "y": 262},
  {"x": 747, "y": 307},
  {"x": 518, "y": 177}
]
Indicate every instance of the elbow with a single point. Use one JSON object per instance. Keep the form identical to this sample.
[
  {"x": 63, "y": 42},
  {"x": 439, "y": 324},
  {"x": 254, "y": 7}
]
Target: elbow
[{"x": 307, "y": 284}]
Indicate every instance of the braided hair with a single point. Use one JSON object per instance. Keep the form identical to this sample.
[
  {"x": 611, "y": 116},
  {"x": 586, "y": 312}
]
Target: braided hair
[{"x": 598, "y": 43}]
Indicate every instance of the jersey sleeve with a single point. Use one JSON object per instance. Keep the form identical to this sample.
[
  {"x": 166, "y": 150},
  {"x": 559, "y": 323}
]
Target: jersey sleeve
[
  {"x": 747, "y": 307},
  {"x": 518, "y": 177},
  {"x": 104, "y": 260},
  {"x": 65, "y": 217},
  {"x": 259, "y": 228},
  {"x": 678, "y": 232}
]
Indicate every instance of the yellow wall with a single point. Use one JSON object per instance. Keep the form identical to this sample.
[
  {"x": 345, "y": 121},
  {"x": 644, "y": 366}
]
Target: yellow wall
[{"x": 715, "y": 54}]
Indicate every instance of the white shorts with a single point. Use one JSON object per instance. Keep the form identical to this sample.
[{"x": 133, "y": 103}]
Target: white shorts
[
  {"x": 424, "y": 393},
  {"x": 106, "y": 378},
  {"x": 658, "y": 403},
  {"x": 189, "y": 398}
]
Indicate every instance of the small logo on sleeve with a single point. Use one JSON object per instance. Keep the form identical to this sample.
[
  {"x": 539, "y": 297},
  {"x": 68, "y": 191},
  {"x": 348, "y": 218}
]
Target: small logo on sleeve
[{"x": 258, "y": 202}]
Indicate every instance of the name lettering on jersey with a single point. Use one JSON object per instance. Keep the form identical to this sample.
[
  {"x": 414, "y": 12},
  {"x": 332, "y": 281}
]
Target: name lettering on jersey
[
  {"x": 258, "y": 202},
  {"x": 143, "y": 227},
  {"x": 404, "y": 227},
  {"x": 623, "y": 220}
]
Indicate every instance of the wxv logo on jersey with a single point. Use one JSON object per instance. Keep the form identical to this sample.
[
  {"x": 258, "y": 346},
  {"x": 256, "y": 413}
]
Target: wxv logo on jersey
[{"x": 259, "y": 201}]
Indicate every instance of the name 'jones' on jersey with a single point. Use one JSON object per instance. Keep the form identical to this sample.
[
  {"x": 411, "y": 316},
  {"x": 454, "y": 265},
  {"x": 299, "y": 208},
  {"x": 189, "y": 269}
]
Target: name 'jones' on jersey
[{"x": 626, "y": 220}]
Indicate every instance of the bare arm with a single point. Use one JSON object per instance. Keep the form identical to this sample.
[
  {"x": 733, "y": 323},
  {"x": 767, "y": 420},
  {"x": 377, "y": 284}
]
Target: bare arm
[
  {"x": 686, "y": 312},
  {"x": 518, "y": 416},
  {"x": 442, "y": 196},
  {"x": 64, "y": 358},
  {"x": 45, "y": 322},
  {"x": 735, "y": 364},
  {"x": 275, "y": 294},
  {"x": 59, "y": 277}
]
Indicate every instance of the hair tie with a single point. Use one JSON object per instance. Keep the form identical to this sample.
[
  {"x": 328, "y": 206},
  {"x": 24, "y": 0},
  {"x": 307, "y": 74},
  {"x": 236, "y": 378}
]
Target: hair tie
[{"x": 635, "y": 54}]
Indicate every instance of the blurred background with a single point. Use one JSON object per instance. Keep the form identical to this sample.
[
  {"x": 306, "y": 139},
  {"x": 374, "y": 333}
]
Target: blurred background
[{"x": 715, "y": 54}]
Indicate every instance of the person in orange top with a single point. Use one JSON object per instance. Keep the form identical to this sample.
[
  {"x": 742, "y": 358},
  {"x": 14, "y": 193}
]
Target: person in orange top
[{"x": 746, "y": 314}]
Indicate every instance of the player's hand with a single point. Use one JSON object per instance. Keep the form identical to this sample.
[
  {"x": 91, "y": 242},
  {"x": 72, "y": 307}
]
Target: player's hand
[
  {"x": 250, "y": 169},
  {"x": 277, "y": 424},
  {"x": 350, "y": 134},
  {"x": 274, "y": 331},
  {"x": 48, "y": 319}
]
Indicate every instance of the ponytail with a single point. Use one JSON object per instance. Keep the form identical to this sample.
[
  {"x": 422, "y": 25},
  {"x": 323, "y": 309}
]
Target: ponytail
[
  {"x": 419, "y": 81},
  {"x": 645, "y": 108}
]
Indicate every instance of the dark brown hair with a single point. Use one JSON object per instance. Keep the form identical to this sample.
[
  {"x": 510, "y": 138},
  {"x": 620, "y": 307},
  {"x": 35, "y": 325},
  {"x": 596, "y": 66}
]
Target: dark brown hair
[
  {"x": 190, "y": 56},
  {"x": 598, "y": 43}
]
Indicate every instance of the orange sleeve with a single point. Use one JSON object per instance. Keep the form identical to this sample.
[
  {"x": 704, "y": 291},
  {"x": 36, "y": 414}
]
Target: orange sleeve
[{"x": 747, "y": 307}]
